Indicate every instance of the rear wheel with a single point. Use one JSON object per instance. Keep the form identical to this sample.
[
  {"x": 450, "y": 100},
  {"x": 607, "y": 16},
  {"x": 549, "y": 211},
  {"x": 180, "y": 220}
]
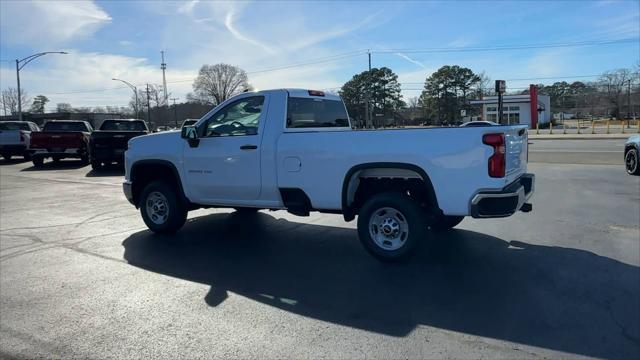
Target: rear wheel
[
  {"x": 390, "y": 225},
  {"x": 631, "y": 162},
  {"x": 246, "y": 210},
  {"x": 445, "y": 222},
  {"x": 162, "y": 210},
  {"x": 37, "y": 161}
]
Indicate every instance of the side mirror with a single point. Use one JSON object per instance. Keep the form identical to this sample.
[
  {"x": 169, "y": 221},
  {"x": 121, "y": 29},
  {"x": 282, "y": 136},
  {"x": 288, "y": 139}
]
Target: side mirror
[{"x": 190, "y": 133}]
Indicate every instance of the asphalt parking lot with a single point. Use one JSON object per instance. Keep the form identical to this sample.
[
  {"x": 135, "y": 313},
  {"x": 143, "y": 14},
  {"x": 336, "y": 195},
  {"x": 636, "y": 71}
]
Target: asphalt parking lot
[{"x": 80, "y": 276}]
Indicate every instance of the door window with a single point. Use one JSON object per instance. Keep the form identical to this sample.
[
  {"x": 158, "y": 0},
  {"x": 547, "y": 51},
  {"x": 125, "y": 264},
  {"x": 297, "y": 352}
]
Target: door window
[{"x": 236, "y": 119}]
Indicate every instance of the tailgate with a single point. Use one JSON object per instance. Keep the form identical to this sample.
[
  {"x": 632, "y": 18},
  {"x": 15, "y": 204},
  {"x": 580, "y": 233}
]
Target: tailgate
[
  {"x": 516, "y": 142},
  {"x": 62, "y": 140},
  {"x": 113, "y": 139},
  {"x": 10, "y": 137}
]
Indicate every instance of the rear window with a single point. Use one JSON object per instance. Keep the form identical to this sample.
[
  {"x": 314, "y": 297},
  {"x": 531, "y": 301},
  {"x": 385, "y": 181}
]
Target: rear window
[
  {"x": 65, "y": 126},
  {"x": 315, "y": 113},
  {"x": 115, "y": 125},
  {"x": 15, "y": 126}
]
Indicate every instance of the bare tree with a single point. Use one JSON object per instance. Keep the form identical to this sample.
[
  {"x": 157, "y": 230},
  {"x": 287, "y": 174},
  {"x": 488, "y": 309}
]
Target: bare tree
[
  {"x": 217, "y": 83},
  {"x": 413, "y": 102},
  {"x": 613, "y": 84},
  {"x": 63, "y": 107},
  {"x": 9, "y": 100},
  {"x": 156, "y": 97}
]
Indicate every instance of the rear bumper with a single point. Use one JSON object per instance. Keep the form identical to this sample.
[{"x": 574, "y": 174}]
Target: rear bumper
[
  {"x": 62, "y": 153},
  {"x": 107, "y": 154},
  {"x": 128, "y": 192},
  {"x": 503, "y": 203},
  {"x": 14, "y": 149}
]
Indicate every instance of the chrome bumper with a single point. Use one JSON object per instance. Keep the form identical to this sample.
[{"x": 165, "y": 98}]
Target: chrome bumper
[{"x": 503, "y": 203}]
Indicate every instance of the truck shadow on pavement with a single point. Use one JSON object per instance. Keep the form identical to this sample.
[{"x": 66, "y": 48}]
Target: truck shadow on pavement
[
  {"x": 60, "y": 165},
  {"x": 557, "y": 298}
]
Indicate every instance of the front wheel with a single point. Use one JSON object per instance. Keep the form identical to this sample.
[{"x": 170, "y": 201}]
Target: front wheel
[
  {"x": 631, "y": 162},
  {"x": 162, "y": 210},
  {"x": 390, "y": 225},
  {"x": 37, "y": 161}
]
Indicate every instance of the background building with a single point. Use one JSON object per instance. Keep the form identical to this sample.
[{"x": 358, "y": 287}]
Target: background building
[{"x": 518, "y": 109}]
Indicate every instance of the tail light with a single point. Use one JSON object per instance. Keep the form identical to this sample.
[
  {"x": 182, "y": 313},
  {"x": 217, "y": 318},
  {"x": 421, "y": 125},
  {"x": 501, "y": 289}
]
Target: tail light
[{"x": 497, "y": 161}]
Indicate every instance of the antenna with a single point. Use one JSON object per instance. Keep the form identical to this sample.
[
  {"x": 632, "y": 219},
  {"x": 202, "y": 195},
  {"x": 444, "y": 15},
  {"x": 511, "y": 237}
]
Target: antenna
[{"x": 163, "y": 66}]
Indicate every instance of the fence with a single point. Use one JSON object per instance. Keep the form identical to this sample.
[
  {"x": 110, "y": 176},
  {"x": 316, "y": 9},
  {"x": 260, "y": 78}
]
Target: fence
[{"x": 596, "y": 126}]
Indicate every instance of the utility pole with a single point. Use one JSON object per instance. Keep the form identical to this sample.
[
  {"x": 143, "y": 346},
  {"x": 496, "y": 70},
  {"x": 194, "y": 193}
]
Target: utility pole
[
  {"x": 628, "y": 99},
  {"x": 175, "y": 111},
  {"x": 367, "y": 114},
  {"x": 148, "y": 107},
  {"x": 163, "y": 66}
]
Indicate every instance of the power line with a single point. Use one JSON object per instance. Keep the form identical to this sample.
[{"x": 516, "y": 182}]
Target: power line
[
  {"x": 511, "y": 47},
  {"x": 426, "y": 50}
]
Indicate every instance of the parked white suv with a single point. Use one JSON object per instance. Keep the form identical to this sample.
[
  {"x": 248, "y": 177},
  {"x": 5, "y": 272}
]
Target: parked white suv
[{"x": 294, "y": 150}]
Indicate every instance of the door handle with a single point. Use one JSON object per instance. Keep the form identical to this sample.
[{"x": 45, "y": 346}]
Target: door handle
[{"x": 248, "y": 147}]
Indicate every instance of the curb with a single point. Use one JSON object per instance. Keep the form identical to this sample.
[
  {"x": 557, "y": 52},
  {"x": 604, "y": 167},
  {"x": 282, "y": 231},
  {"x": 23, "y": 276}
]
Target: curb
[{"x": 580, "y": 137}]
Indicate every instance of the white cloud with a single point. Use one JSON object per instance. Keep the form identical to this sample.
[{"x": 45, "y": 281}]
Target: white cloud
[
  {"x": 228, "y": 23},
  {"x": 84, "y": 79},
  {"x": 413, "y": 61},
  {"x": 39, "y": 23}
]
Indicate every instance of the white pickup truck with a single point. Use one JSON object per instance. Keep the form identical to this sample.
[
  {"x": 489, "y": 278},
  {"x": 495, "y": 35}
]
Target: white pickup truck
[
  {"x": 15, "y": 137},
  {"x": 294, "y": 150}
]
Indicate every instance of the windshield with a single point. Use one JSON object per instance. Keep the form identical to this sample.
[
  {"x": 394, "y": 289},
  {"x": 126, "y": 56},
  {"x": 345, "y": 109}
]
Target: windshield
[
  {"x": 66, "y": 126},
  {"x": 312, "y": 112},
  {"x": 15, "y": 126},
  {"x": 122, "y": 125}
]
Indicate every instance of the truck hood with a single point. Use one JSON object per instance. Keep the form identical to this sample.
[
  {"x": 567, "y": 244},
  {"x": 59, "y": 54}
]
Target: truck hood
[
  {"x": 156, "y": 138},
  {"x": 166, "y": 146}
]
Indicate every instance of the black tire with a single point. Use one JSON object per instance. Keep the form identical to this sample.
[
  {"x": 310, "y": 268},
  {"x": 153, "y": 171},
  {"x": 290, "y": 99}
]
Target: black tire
[
  {"x": 445, "y": 222},
  {"x": 56, "y": 159},
  {"x": 397, "y": 207},
  {"x": 37, "y": 161},
  {"x": 631, "y": 162},
  {"x": 246, "y": 210},
  {"x": 26, "y": 156},
  {"x": 7, "y": 157},
  {"x": 96, "y": 165},
  {"x": 176, "y": 212},
  {"x": 85, "y": 160}
]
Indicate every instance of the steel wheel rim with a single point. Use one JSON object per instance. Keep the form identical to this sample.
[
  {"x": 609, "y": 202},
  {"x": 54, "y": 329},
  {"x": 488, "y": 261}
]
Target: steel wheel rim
[
  {"x": 157, "y": 207},
  {"x": 388, "y": 228},
  {"x": 631, "y": 161}
]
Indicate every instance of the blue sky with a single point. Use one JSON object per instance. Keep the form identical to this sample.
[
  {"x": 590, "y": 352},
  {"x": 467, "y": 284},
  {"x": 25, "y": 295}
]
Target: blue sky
[{"x": 107, "y": 39}]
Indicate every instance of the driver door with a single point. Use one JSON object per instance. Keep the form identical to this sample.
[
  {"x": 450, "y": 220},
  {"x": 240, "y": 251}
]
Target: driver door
[{"x": 225, "y": 166}]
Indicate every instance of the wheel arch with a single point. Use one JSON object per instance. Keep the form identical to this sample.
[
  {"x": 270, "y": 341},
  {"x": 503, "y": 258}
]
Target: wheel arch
[
  {"x": 391, "y": 170},
  {"x": 145, "y": 171}
]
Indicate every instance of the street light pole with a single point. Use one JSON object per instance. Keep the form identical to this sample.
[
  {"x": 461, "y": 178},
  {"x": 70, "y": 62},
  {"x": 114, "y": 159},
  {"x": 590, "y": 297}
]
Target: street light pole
[
  {"x": 135, "y": 92},
  {"x": 19, "y": 67}
]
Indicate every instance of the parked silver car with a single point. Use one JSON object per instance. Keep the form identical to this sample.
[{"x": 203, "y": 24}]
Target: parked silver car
[{"x": 631, "y": 149}]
